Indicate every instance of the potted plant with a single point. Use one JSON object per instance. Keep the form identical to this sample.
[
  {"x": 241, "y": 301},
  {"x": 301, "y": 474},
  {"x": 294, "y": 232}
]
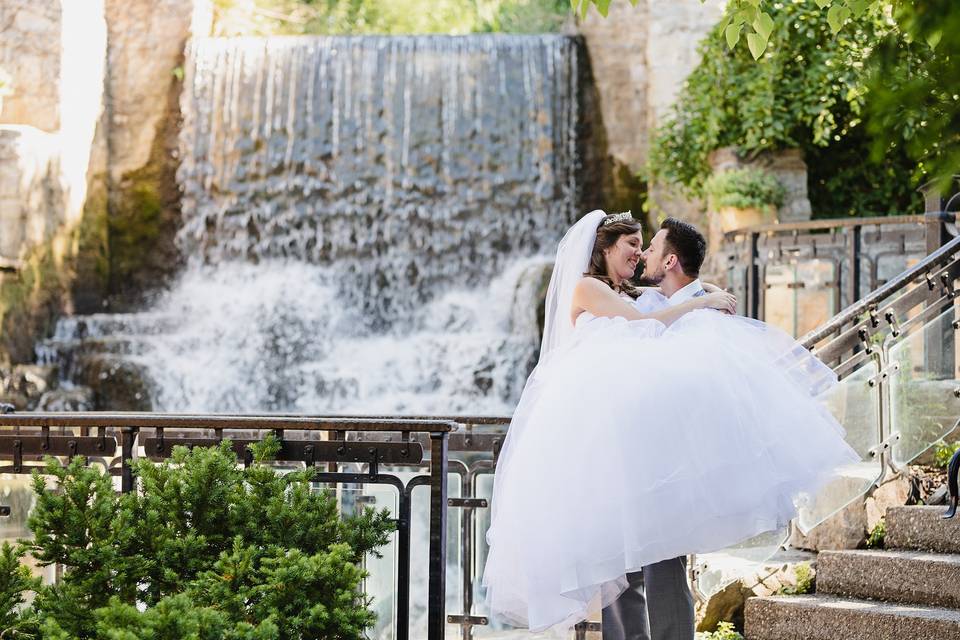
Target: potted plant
[{"x": 744, "y": 197}]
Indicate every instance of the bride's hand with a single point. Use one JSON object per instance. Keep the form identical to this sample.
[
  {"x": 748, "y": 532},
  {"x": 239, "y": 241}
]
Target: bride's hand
[{"x": 719, "y": 300}]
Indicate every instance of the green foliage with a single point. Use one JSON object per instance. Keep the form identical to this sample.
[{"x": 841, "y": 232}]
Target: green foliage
[
  {"x": 808, "y": 92},
  {"x": 724, "y": 631},
  {"x": 334, "y": 17},
  {"x": 942, "y": 452},
  {"x": 914, "y": 80},
  {"x": 804, "y": 584},
  {"x": 754, "y": 18},
  {"x": 877, "y": 535},
  {"x": 15, "y": 582},
  {"x": 203, "y": 550},
  {"x": 744, "y": 188}
]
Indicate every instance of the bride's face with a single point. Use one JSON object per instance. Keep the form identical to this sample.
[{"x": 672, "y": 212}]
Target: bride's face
[{"x": 624, "y": 255}]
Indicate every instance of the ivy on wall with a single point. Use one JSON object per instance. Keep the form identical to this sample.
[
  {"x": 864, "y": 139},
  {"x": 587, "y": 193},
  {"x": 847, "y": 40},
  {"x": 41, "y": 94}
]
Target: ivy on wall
[{"x": 808, "y": 91}]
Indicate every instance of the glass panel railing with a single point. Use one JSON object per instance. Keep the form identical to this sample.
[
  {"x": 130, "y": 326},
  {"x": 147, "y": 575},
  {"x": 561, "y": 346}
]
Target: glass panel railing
[
  {"x": 419, "y": 558},
  {"x": 924, "y": 386},
  {"x": 801, "y": 296},
  {"x": 715, "y": 571},
  {"x": 855, "y": 403}
]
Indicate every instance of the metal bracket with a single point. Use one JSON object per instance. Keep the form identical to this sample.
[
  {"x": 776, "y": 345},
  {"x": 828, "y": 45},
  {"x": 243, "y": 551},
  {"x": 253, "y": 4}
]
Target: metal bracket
[
  {"x": 468, "y": 620},
  {"x": 17, "y": 456},
  {"x": 891, "y": 319},
  {"x": 308, "y": 455},
  {"x": 884, "y": 445},
  {"x": 467, "y": 503},
  {"x": 883, "y": 374}
]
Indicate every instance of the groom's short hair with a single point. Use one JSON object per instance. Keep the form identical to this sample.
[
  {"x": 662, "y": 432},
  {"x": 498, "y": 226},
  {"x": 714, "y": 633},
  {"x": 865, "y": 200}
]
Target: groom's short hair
[{"x": 687, "y": 243}]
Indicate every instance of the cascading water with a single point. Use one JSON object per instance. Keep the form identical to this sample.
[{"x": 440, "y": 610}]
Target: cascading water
[{"x": 367, "y": 222}]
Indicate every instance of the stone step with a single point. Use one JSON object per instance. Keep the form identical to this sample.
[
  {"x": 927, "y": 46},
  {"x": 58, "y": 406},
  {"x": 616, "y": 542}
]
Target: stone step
[
  {"x": 827, "y": 617},
  {"x": 904, "y": 576},
  {"x": 923, "y": 529}
]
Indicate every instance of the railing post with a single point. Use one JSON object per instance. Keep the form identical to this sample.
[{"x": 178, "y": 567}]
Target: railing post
[
  {"x": 753, "y": 277},
  {"x": 939, "y": 343},
  {"x": 128, "y": 436},
  {"x": 853, "y": 260},
  {"x": 437, "y": 592}
]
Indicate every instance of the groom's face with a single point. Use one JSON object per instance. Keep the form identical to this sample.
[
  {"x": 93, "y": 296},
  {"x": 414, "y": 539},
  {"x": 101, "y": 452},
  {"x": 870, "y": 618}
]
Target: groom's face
[{"x": 656, "y": 260}]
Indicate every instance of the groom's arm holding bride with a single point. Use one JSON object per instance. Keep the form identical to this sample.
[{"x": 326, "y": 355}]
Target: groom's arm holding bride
[{"x": 595, "y": 297}]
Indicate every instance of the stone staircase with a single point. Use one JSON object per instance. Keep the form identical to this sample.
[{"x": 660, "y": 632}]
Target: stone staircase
[{"x": 911, "y": 591}]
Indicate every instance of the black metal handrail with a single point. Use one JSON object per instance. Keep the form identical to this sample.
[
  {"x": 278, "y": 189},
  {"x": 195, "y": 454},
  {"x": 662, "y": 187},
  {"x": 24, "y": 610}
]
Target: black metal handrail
[{"x": 935, "y": 260}]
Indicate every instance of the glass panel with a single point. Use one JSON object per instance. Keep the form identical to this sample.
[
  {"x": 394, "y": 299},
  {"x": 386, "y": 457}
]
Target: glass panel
[
  {"x": 381, "y": 584},
  {"x": 420, "y": 554},
  {"x": 717, "y": 570},
  {"x": 16, "y": 492},
  {"x": 923, "y": 401},
  {"x": 800, "y": 296},
  {"x": 855, "y": 404}
]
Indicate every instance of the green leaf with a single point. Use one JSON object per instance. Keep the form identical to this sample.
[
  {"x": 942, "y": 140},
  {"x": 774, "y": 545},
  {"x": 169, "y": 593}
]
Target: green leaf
[
  {"x": 755, "y": 3},
  {"x": 837, "y": 16},
  {"x": 603, "y": 6},
  {"x": 732, "y": 33},
  {"x": 824, "y": 3},
  {"x": 585, "y": 4},
  {"x": 574, "y": 4},
  {"x": 934, "y": 38},
  {"x": 859, "y": 7},
  {"x": 634, "y": 2},
  {"x": 763, "y": 25},
  {"x": 757, "y": 44}
]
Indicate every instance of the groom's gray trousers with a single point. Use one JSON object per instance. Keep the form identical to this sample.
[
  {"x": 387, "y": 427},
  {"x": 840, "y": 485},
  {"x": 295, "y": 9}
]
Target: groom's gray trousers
[{"x": 657, "y": 605}]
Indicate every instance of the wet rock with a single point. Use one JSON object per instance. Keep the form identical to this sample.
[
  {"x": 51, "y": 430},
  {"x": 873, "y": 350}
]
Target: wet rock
[
  {"x": 75, "y": 399},
  {"x": 120, "y": 385}
]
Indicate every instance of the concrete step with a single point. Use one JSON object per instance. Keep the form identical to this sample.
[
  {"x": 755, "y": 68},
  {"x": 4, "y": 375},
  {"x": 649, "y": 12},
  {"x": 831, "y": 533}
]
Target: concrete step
[
  {"x": 904, "y": 576},
  {"x": 923, "y": 529},
  {"x": 826, "y": 617}
]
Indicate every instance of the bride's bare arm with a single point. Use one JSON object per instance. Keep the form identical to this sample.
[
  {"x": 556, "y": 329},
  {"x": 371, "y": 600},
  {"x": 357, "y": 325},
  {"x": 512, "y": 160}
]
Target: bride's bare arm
[{"x": 597, "y": 298}]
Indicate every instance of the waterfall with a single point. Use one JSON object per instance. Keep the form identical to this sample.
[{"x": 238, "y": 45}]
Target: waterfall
[{"x": 367, "y": 222}]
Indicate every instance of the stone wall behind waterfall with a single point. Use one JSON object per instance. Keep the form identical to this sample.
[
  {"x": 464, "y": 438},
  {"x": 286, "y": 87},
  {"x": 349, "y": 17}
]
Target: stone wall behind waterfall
[{"x": 407, "y": 165}]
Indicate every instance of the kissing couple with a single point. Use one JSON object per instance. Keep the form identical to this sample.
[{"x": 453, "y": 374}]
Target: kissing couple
[{"x": 655, "y": 425}]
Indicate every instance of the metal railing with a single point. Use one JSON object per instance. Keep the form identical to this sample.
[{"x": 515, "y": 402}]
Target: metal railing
[
  {"x": 832, "y": 262},
  {"x": 325, "y": 443}
]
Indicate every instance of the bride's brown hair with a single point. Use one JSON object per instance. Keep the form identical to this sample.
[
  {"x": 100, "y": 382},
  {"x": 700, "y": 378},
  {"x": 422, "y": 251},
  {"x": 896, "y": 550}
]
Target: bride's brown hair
[{"x": 607, "y": 236}]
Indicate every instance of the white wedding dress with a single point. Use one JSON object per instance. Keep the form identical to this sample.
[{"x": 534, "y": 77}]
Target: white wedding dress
[{"x": 634, "y": 443}]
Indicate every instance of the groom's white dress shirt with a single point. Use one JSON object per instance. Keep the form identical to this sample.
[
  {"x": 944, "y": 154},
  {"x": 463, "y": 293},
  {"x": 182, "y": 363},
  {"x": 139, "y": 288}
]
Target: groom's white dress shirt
[{"x": 654, "y": 300}]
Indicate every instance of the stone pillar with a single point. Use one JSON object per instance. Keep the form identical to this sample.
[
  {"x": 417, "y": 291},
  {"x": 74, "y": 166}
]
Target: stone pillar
[{"x": 640, "y": 57}]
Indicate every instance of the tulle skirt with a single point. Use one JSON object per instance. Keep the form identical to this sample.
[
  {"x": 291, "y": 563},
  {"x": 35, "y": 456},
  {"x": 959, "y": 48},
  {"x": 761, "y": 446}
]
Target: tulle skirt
[{"x": 636, "y": 443}]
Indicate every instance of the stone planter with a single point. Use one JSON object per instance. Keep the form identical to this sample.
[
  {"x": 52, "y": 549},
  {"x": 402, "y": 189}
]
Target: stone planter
[{"x": 732, "y": 218}]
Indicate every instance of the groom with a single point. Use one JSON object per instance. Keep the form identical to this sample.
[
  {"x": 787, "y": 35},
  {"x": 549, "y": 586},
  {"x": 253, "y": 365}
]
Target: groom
[{"x": 657, "y": 604}]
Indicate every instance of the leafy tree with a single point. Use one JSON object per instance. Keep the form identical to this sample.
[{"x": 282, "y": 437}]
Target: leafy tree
[
  {"x": 915, "y": 110},
  {"x": 203, "y": 550},
  {"x": 807, "y": 92}
]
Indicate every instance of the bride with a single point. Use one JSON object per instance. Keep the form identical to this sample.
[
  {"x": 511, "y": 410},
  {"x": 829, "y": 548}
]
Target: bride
[{"x": 639, "y": 438}]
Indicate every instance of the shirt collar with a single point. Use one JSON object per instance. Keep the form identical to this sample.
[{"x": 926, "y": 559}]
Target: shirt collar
[{"x": 684, "y": 294}]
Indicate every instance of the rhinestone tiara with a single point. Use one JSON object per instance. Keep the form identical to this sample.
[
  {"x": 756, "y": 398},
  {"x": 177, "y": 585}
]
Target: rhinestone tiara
[{"x": 626, "y": 216}]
